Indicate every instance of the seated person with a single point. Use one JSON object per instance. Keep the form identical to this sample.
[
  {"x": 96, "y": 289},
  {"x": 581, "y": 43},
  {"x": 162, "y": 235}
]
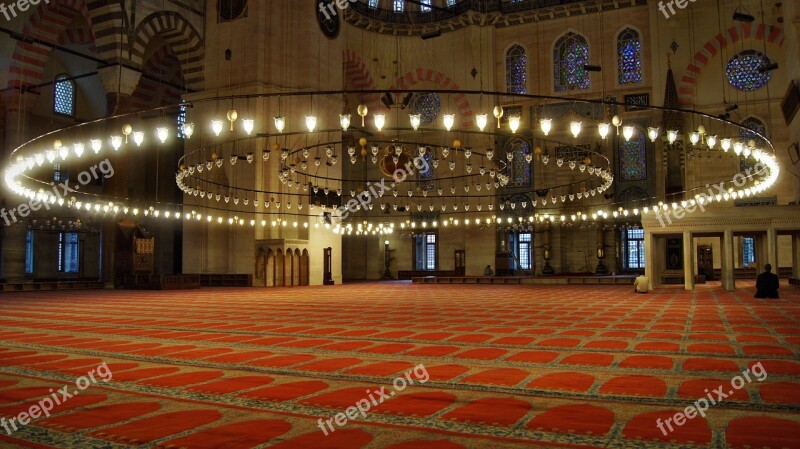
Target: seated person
[
  {"x": 488, "y": 271},
  {"x": 641, "y": 284},
  {"x": 767, "y": 284}
]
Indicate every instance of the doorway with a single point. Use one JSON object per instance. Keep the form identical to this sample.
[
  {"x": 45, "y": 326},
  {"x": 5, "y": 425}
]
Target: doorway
[
  {"x": 705, "y": 262},
  {"x": 461, "y": 262}
]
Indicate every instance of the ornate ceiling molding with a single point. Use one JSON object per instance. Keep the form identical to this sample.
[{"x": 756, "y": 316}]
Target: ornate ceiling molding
[{"x": 473, "y": 13}]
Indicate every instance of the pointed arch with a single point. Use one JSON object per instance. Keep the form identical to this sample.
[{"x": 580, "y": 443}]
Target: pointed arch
[
  {"x": 47, "y": 23},
  {"x": 516, "y": 63},
  {"x": 629, "y": 56},
  {"x": 180, "y": 35},
  {"x": 570, "y": 53},
  {"x": 519, "y": 169}
]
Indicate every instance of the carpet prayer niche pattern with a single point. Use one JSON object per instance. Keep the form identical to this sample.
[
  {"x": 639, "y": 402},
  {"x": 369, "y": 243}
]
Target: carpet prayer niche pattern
[{"x": 509, "y": 367}]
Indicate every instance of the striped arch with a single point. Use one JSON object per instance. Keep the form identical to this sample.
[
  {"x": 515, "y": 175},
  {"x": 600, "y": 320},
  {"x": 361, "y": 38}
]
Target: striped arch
[
  {"x": 47, "y": 23},
  {"x": 441, "y": 80},
  {"x": 109, "y": 29},
  {"x": 184, "y": 40},
  {"x": 742, "y": 30},
  {"x": 80, "y": 36},
  {"x": 160, "y": 73},
  {"x": 357, "y": 76}
]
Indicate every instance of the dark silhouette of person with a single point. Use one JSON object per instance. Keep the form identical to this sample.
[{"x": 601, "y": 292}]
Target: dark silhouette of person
[
  {"x": 767, "y": 284},
  {"x": 488, "y": 271}
]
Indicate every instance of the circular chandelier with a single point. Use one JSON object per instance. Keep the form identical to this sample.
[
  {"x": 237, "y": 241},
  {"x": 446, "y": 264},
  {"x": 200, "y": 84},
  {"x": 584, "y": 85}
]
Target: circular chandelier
[{"x": 471, "y": 181}]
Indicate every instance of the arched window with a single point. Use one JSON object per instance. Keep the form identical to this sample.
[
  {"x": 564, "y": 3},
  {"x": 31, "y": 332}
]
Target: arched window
[
  {"x": 751, "y": 124},
  {"x": 744, "y": 72},
  {"x": 516, "y": 70},
  {"x": 519, "y": 169},
  {"x": 64, "y": 96},
  {"x": 633, "y": 159},
  {"x": 570, "y": 54},
  {"x": 629, "y": 57}
]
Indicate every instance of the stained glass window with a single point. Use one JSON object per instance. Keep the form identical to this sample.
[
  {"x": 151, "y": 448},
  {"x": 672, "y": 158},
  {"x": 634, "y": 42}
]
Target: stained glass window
[
  {"x": 64, "y": 96},
  {"x": 634, "y": 248},
  {"x": 425, "y": 6},
  {"x": 399, "y": 5},
  {"x": 748, "y": 251},
  {"x": 29, "y": 252},
  {"x": 373, "y": 3},
  {"x": 524, "y": 250},
  {"x": 516, "y": 70},
  {"x": 751, "y": 126},
  {"x": 743, "y": 70},
  {"x": 519, "y": 170},
  {"x": 629, "y": 56},
  {"x": 633, "y": 159},
  {"x": 570, "y": 54},
  {"x": 428, "y": 106}
]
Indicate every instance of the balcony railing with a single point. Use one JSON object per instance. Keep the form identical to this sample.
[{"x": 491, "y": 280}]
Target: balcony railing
[{"x": 438, "y": 13}]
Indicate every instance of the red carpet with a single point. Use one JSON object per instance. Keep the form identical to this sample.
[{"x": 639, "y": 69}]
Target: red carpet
[{"x": 509, "y": 367}]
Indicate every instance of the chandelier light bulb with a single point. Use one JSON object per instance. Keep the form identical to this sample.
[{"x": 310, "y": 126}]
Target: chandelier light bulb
[
  {"x": 162, "y": 133},
  {"x": 627, "y": 132},
  {"x": 39, "y": 159},
  {"x": 738, "y": 147},
  {"x": 757, "y": 153},
  {"x": 672, "y": 136},
  {"x": 311, "y": 123},
  {"x": 380, "y": 121},
  {"x": 513, "y": 123},
  {"x": 711, "y": 141},
  {"x": 746, "y": 152},
  {"x": 188, "y": 130},
  {"x": 116, "y": 142},
  {"x": 546, "y": 124},
  {"x": 63, "y": 152},
  {"x": 96, "y": 144},
  {"x": 56, "y": 144},
  {"x": 575, "y": 128},
  {"x": 216, "y": 127},
  {"x": 725, "y": 144},
  {"x": 344, "y": 121},
  {"x": 249, "y": 125},
  {"x": 416, "y": 120},
  {"x": 616, "y": 121},
  {"x": 481, "y": 120},
  {"x": 78, "y": 148},
  {"x": 449, "y": 121},
  {"x": 280, "y": 123},
  {"x": 138, "y": 138},
  {"x": 603, "y": 129},
  {"x": 653, "y": 133},
  {"x": 694, "y": 137}
]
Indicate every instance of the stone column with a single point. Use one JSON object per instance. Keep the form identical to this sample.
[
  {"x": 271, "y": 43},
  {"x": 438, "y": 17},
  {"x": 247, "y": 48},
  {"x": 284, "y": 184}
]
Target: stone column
[
  {"x": 728, "y": 278},
  {"x": 796, "y": 255},
  {"x": 119, "y": 83},
  {"x": 688, "y": 260},
  {"x": 650, "y": 268},
  {"x": 772, "y": 250}
]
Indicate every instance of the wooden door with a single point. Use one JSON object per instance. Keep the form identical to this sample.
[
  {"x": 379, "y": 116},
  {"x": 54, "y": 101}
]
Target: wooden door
[
  {"x": 461, "y": 262},
  {"x": 705, "y": 261}
]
